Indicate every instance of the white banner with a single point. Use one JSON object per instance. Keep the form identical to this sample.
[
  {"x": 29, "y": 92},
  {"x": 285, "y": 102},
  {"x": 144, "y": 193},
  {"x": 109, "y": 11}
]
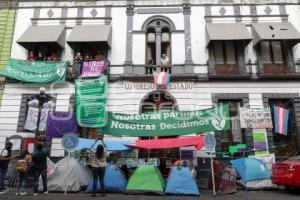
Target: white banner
[{"x": 255, "y": 118}]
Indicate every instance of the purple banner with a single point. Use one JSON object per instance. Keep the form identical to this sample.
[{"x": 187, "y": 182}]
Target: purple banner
[
  {"x": 93, "y": 68},
  {"x": 60, "y": 123},
  {"x": 260, "y": 145}
]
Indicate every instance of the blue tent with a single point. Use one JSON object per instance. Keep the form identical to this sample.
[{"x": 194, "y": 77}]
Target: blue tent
[
  {"x": 114, "y": 181},
  {"x": 181, "y": 182},
  {"x": 251, "y": 169},
  {"x": 111, "y": 145}
]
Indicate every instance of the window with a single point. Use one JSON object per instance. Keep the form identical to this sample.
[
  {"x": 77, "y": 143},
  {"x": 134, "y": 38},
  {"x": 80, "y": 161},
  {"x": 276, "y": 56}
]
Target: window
[
  {"x": 235, "y": 135},
  {"x": 225, "y": 52},
  {"x": 158, "y": 43},
  {"x": 272, "y": 52}
]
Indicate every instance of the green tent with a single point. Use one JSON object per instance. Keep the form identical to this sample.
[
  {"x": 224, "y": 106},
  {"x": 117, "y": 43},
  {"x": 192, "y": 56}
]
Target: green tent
[{"x": 146, "y": 179}]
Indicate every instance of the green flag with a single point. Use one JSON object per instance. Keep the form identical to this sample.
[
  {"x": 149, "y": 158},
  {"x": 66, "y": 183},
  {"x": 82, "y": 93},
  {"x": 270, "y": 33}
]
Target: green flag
[
  {"x": 91, "y": 102},
  {"x": 36, "y": 71},
  {"x": 167, "y": 123}
]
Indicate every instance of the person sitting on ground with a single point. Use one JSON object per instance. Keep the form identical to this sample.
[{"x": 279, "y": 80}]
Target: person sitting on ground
[
  {"x": 31, "y": 56},
  {"x": 5, "y": 157},
  {"x": 52, "y": 57}
]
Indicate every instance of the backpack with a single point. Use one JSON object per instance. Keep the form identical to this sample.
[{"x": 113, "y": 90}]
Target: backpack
[{"x": 21, "y": 166}]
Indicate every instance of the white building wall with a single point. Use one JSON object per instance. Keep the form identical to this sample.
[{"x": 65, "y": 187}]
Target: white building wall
[
  {"x": 22, "y": 22},
  {"x": 119, "y": 25},
  {"x": 198, "y": 41},
  {"x": 176, "y": 18},
  {"x": 178, "y": 49},
  {"x": 139, "y": 49}
]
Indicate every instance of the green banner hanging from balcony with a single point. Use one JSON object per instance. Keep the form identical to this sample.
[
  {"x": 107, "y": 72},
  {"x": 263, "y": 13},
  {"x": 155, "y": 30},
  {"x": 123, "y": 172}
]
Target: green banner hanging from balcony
[
  {"x": 168, "y": 123},
  {"x": 36, "y": 71},
  {"x": 91, "y": 102}
]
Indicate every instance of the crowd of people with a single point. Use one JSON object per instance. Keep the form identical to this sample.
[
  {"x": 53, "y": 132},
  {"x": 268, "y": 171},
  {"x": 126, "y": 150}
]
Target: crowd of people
[
  {"x": 36, "y": 165},
  {"x": 40, "y": 57}
]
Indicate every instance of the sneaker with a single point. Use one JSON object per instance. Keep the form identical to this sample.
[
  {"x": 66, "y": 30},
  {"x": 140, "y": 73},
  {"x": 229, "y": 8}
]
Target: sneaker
[
  {"x": 23, "y": 193},
  {"x": 2, "y": 192},
  {"x": 35, "y": 194},
  {"x": 17, "y": 193},
  {"x": 46, "y": 192}
]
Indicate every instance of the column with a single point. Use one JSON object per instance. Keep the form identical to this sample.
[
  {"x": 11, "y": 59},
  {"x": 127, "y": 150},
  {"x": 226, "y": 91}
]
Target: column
[
  {"x": 158, "y": 46},
  {"x": 189, "y": 68},
  {"x": 128, "y": 62}
]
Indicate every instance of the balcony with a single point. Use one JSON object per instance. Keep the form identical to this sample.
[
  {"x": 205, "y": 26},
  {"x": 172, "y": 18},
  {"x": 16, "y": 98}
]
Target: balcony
[
  {"x": 228, "y": 71},
  {"x": 150, "y": 69},
  {"x": 278, "y": 69}
]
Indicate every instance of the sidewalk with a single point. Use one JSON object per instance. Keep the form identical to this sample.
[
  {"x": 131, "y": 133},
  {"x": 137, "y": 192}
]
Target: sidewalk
[{"x": 243, "y": 195}]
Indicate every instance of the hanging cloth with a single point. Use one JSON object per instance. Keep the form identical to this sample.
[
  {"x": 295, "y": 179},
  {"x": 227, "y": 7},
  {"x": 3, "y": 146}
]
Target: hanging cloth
[{"x": 281, "y": 120}]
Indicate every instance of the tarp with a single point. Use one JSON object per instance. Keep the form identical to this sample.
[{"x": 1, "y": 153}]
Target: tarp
[
  {"x": 111, "y": 145},
  {"x": 60, "y": 123},
  {"x": 36, "y": 71},
  {"x": 146, "y": 179},
  {"x": 91, "y": 102},
  {"x": 251, "y": 169},
  {"x": 69, "y": 175},
  {"x": 181, "y": 182},
  {"x": 114, "y": 181},
  {"x": 197, "y": 141},
  {"x": 168, "y": 123}
]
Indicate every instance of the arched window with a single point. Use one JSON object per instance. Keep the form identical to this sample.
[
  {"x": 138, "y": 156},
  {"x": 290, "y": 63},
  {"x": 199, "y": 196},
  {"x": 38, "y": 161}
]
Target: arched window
[{"x": 158, "y": 43}]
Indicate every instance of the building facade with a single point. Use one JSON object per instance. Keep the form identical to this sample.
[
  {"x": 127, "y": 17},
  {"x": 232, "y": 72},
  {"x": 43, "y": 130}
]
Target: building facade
[
  {"x": 257, "y": 65},
  {"x": 7, "y": 19}
]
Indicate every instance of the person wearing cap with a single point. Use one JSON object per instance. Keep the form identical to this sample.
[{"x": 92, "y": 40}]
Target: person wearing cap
[{"x": 5, "y": 157}]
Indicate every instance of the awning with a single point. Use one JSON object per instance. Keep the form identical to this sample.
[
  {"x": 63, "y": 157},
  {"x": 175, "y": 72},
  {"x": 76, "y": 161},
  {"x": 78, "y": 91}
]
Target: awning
[
  {"x": 43, "y": 34},
  {"x": 227, "y": 31},
  {"x": 274, "y": 31},
  {"x": 90, "y": 34},
  {"x": 197, "y": 141}
]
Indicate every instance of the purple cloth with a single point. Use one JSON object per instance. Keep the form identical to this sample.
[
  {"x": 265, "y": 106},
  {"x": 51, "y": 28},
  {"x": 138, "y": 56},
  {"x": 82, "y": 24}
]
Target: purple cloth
[
  {"x": 260, "y": 145},
  {"x": 93, "y": 68},
  {"x": 60, "y": 123}
]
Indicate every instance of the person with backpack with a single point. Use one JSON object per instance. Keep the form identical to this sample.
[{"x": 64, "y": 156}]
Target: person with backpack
[
  {"x": 5, "y": 157},
  {"x": 98, "y": 167},
  {"x": 22, "y": 167},
  {"x": 39, "y": 167}
]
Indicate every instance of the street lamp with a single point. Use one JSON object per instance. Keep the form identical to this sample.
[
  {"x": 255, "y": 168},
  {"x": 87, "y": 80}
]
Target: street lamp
[{"x": 40, "y": 101}]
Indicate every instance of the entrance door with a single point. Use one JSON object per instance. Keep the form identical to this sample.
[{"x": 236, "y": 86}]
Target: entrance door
[{"x": 153, "y": 102}]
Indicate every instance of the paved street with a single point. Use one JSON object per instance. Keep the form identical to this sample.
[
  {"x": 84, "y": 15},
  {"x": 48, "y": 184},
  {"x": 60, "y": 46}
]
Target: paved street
[{"x": 244, "y": 195}]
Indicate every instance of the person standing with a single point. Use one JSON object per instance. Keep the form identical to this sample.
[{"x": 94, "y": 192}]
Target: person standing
[
  {"x": 5, "y": 157},
  {"x": 98, "y": 167},
  {"x": 39, "y": 160},
  {"x": 22, "y": 167}
]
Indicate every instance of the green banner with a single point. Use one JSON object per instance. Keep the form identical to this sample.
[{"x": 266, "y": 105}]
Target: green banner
[
  {"x": 36, "y": 71},
  {"x": 168, "y": 123},
  {"x": 91, "y": 102}
]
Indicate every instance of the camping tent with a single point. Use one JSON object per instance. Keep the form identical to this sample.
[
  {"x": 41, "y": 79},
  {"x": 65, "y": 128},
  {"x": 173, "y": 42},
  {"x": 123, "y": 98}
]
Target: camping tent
[
  {"x": 181, "y": 182},
  {"x": 251, "y": 169},
  {"x": 146, "y": 179},
  {"x": 69, "y": 175},
  {"x": 114, "y": 181}
]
